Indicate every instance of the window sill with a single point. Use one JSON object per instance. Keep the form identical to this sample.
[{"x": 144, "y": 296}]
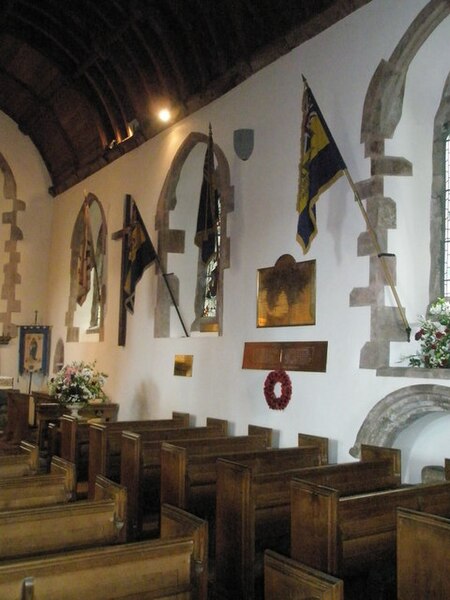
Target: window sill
[{"x": 414, "y": 372}]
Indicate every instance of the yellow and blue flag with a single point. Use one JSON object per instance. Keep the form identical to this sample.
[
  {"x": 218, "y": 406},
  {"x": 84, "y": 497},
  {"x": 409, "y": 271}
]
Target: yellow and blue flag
[
  {"x": 141, "y": 254},
  {"x": 321, "y": 164}
]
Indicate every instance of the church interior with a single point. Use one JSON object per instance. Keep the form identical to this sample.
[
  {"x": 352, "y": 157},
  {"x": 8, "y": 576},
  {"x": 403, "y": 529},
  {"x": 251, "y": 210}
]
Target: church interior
[{"x": 225, "y": 300}]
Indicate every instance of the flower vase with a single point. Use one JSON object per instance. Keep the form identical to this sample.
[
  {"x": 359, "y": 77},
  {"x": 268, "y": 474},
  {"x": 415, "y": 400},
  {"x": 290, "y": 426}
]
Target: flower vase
[{"x": 75, "y": 408}]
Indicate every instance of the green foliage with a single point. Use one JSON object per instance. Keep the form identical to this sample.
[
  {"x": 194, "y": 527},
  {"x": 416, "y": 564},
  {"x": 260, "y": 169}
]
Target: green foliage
[{"x": 434, "y": 338}]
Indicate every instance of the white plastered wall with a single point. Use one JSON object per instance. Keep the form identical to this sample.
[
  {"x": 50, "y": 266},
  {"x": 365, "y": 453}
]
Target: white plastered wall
[
  {"x": 32, "y": 183},
  {"x": 339, "y": 64}
]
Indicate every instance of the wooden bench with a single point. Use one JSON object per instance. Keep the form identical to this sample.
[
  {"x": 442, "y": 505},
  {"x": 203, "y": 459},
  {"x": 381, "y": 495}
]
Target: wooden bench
[
  {"x": 24, "y": 461},
  {"x": 56, "y": 487},
  {"x": 423, "y": 555},
  {"x": 104, "y": 443},
  {"x": 69, "y": 438},
  {"x": 31, "y": 531},
  {"x": 287, "y": 578},
  {"x": 176, "y": 522},
  {"x": 253, "y": 511},
  {"x": 141, "y": 468},
  {"x": 18, "y": 417},
  {"x": 188, "y": 479},
  {"x": 168, "y": 568},
  {"x": 354, "y": 535}
]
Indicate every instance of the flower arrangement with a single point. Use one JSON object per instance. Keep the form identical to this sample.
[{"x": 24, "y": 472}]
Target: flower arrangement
[
  {"x": 434, "y": 337},
  {"x": 78, "y": 382}
]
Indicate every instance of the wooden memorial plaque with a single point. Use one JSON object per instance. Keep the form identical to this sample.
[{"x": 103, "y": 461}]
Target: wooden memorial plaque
[{"x": 292, "y": 356}]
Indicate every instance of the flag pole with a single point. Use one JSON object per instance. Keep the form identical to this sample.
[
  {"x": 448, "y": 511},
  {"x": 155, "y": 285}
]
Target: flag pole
[
  {"x": 172, "y": 297},
  {"x": 123, "y": 234},
  {"x": 381, "y": 255}
]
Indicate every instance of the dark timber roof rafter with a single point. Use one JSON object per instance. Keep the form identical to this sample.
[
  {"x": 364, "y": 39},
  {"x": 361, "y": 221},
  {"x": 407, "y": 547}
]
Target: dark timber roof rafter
[{"x": 74, "y": 75}]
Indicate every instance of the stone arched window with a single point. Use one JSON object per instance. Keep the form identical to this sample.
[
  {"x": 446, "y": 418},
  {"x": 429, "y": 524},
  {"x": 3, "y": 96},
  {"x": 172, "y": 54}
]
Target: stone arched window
[
  {"x": 86, "y": 311},
  {"x": 11, "y": 234},
  {"x": 174, "y": 241},
  {"x": 381, "y": 116}
]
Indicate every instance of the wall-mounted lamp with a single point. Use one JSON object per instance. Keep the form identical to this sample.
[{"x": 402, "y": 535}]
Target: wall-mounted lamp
[
  {"x": 243, "y": 140},
  {"x": 164, "y": 115}
]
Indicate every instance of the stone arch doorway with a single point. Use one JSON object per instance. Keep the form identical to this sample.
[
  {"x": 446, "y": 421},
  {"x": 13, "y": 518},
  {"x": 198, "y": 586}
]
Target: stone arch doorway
[{"x": 397, "y": 411}]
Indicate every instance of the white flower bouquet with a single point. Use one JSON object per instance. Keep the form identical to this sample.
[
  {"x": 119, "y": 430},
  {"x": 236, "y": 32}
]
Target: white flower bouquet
[{"x": 78, "y": 382}]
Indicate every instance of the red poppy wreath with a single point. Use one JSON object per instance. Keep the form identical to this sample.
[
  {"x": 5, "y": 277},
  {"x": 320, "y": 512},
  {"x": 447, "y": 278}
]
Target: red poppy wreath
[{"x": 277, "y": 402}]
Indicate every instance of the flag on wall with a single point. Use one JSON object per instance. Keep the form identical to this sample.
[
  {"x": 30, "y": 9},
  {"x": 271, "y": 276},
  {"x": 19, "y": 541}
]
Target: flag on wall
[
  {"x": 208, "y": 209},
  {"x": 141, "y": 254},
  {"x": 321, "y": 164},
  {"x": 86, "y": 256}
]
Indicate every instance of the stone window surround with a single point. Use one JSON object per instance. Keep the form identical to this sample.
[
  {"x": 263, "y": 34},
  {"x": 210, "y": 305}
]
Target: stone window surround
[
  {"x": 173, "y": 240},
  {"x": 382, "y": 112},
  {"x": 381, "y": 115},
  {"x": 73, "y": 333},
  {"x": 11, "y": 267}
]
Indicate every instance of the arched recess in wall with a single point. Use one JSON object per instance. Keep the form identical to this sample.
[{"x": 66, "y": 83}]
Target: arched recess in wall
[
  {"x": 11, "y": 235},
  {"x": 173, "y": 240},
  {"x": 397, "y": 411},
  {"x": 85, "y": 322},
  {"x": 382, "y": 112}
]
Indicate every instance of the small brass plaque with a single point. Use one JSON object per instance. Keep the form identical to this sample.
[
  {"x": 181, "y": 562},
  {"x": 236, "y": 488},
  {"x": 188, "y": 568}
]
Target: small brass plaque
[{"x": 183, "y": 365}]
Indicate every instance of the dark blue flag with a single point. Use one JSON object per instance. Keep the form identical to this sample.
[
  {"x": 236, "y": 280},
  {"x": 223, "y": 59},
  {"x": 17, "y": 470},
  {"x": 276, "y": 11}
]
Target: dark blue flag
[
  {"x": 141, "y": 254},
  {"x": 321, "y": 164}
]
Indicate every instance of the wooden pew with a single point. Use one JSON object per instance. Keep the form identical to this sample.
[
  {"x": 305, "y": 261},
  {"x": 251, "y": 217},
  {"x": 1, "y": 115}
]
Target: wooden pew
[
  {"x": 253, "y": 511},
  {"x": 17, "y": 425},
  {"x": 105, "y": 445},
  {"x": 141, "y": 468},
  {"x": 104, "y": 442},
  {"x": 287, "y": 578},
  {"x": 32, "y": 531},
  {"x": 57, "y": 487},
  {"x": 353, "y": 535},
  {"x": 167, "y": 568},
  {"x": 188, "y": 479},
  {"x": 70, "y": 438},
  {"x": 423, "y": 555},
  {"x": 24, "y": 461},
  {"x": 176, "y": 522}
]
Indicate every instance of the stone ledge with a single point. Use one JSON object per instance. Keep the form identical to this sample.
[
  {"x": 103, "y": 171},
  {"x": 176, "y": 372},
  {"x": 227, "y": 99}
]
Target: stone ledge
[{"x": 416, "y": 372}]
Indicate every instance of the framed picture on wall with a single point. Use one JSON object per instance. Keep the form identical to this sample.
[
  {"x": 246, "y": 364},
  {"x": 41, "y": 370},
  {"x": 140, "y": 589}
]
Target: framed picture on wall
[
  {"x": 287, "y": 293},
  {"x": 34, "y": 347}
]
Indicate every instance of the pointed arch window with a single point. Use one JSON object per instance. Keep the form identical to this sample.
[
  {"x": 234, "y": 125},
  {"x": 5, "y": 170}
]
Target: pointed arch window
[
  {"x": 85, "y": 315},
  {"x": 208, "y": 239},
  {"x": 446, "y": 261}
]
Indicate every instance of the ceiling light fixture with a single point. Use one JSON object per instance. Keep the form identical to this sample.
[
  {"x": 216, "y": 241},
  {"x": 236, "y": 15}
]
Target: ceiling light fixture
[{"x": 164, "y": 115}]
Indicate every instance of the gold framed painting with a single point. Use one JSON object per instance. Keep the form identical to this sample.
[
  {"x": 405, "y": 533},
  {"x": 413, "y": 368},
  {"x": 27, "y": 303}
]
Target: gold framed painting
[{"x": 286, "y": 294}]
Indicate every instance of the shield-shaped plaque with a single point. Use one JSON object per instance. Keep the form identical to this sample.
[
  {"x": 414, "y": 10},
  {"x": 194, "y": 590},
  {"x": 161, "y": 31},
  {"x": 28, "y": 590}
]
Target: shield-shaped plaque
[{"x": 243, "y": 142}]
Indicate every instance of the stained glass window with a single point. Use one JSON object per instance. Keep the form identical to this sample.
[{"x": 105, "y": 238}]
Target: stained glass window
[{"x": 446, "y": 274}]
